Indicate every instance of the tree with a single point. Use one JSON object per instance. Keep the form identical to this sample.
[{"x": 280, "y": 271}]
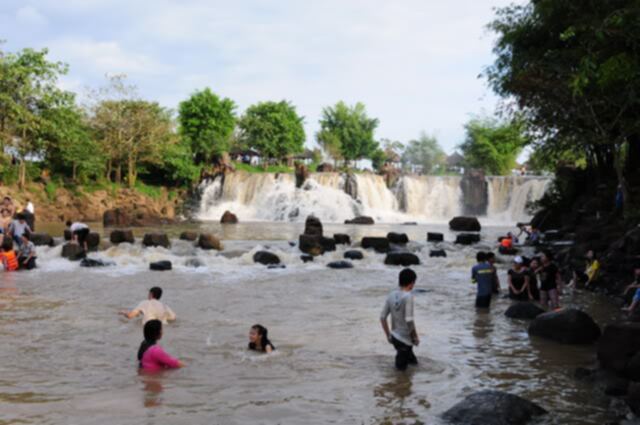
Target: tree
[
  {"x": 206, "y": 123},
  {"x": 426, "y": 153},
  {"x": 28, "y": 87},
  {"x": 347, "y": 132},
  {"x": 492, "y": 145},
  {"x": 272, "y": 128}
]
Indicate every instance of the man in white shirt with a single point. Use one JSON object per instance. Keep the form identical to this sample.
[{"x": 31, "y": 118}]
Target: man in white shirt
[
  {"x": 152, "y": 309},
  {"x": 79, "y": 233}
]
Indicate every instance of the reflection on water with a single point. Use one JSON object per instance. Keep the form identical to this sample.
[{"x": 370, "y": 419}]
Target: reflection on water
[{"x": 68, "y": 358}]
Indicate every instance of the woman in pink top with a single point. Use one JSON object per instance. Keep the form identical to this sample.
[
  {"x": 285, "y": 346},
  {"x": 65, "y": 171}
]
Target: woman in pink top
[{"x": 151, "y": 356}]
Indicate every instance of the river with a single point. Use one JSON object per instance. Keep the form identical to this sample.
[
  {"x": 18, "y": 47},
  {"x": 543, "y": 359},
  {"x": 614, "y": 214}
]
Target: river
[{"x": 68, "y": 358}]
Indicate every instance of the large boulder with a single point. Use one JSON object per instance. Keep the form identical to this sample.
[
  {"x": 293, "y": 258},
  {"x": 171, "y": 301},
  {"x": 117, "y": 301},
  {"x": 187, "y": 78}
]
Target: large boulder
[
  {"x": 310, "y": 245},
  {"x": 229, "y": 218},
  {"x": 353, "y": 255},
  {"x": 523, "y": 310},
  {"x": 493, "y": 408},
  {"x": 465, "y": 224},
  {"x": 156, "y": 239},
  {"x": 116, "y": 217},
  {"x": 567, "y": 326},
  {"x": 360, "y": 220},
  {"x": 73, "y": 252},
  {"x": 435, "y": 237},
  {"x": 401, "y": 259},
  {"x": 437, "y": 253},
  {"x": 398, "y": 238},
  {"x": 467, "y": 238},
  {"x": 121, "y": 236},
  {"x": 381, "y": 245},
  {"x": 188, "y": 236},
  {"x": 160, "y": 266},
  {"x": 93, "y": 241},
  {"x": 313, "y": 226},
  {"x": 42, "y": 239},
  {"x": 619, "y": 344},
  {"x": 328, "y": 244},
  {"x": 266, "y": 258},
  {"x": 340, "y": 265},
  {"x": 342, "y": 239},
  {"x": 207, "y": 241}
]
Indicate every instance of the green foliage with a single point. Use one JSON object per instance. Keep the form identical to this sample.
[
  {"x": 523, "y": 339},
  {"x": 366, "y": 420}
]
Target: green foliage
[
  {"x": 347, "y": 132},
  {"x": 493, "y": 146},
  {"x": 272, "y": 128},
  {"x": 50, "y": 189},
  {"x": 154, "y": 192},
  {"x": 378, "y": 159},
  {"x": 206, "y": 123},
  {"x": 549, "y": 160},
  {"x": 268, "y": 169},
  {"x": 426, "y": 153}
]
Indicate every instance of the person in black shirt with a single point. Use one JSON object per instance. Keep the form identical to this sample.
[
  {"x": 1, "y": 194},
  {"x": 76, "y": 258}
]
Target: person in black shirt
[
  {"x": 530, "y": 265},
  {"x": 550, "y": 280},
  {"x": 518, "y": 280}
]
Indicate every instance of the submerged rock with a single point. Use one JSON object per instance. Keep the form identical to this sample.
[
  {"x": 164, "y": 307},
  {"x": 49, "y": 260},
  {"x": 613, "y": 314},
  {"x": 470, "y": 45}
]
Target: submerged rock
[
  {"x": 188, "y": 236},
  {"x": 42, "y": 239},
  {"x": 353, "y": 255},
  {"x": 360, "y": 220},
  {"x": 121, "y": 236},
  {"x": 379, "y": 244},
  {"x": 340, "y": 265},
  {"x": 228, "y": 218},
  {"x": 435, "y": 237},
  {"x": 73, "y": 252},
  {"x": 266, "y": 258},
  {"x": 194, "y": 262},
  {"x": 208, "y": 241},
  {"x": 276, "y": 266},
  {"x": 156, "y": 239},
  {"x": 160, "y": 266},
  {"x": 493, "y": 408},
  {"x": 437, "y": 253},
  {"x": 467, "y": 238},
  {"x": 465, "y": 224},
  {"x": 524, "y": 310},
  {"x": 567, "y": 326},
  {"x": 398, "y": 238},
  {"x": 306, "y": 258},
  {"x": 342, "y": 239},
  {"x": 92, "y": 262},
  {"x": 401, "y": 259}
]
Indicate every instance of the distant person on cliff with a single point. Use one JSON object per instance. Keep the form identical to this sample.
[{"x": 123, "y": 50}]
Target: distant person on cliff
[
  {"x": 8, "y": 256},
  {"x": 550, "y": 281},
  {"x": 403, "y": 334},
  {"x": 27, "y": 255},
  {"x": 151, "y": 356},
  {"x": 482, "y": 274},
  {"x": 491, "y": 259},
  {"x": 519, "y": 281},
  {"x": 152, "y": 309},
  {"x": 79, "y": 233},
  {"x": 634, "y": 286},
  {"x": 259, "y": 339}
]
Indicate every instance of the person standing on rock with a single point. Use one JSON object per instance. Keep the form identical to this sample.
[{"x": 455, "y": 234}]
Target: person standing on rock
[
  {"x": 518, "y": 280},
  {"x": 79, "y": 233},
  {"x": 483, "y": 275},
  {"x": 403, "y": 334},
  {"x": 550, "y": 281},
  {"x": 152, "y": 309}
]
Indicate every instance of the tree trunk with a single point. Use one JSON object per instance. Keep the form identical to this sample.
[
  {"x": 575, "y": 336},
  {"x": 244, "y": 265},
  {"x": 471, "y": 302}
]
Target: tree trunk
[
  {"x": 119, "y": 174},
  {"x": 131, "y": 171},
  {"x": 22, "y": 173},
  {"x": 109, "y": 170},
  {"x": 74, "y": 170}
]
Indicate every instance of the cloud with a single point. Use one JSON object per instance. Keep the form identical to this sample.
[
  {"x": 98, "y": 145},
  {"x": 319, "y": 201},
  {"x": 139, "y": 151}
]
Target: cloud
[{"x": 31, "y": 16}]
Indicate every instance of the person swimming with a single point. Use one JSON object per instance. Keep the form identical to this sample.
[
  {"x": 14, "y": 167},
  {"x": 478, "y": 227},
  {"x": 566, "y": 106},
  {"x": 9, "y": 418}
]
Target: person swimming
[
  {"x": 259, "y": 339},
  {"x": 151, "y": 356}
]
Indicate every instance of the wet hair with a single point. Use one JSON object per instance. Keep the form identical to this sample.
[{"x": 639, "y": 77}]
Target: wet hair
[
  {"x": 7, "y": 244},
  {"x": 156, "y": 292},
  {"x": 152, "y": 331},
  {"x": 264, "y": 338},
  {"x": 407, "y": 277},
  {"x": 490, "y": 255},
  {"x": 481, "y": 257},
  {"x": 68, "y": 223}
]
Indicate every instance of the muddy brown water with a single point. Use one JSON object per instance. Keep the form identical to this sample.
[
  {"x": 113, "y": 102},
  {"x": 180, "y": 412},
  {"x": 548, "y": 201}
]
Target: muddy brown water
[{"x": 67, "y": 357}]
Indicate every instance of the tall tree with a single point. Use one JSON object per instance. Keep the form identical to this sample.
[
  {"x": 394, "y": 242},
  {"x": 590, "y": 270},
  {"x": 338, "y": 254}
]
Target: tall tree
[
  {"x": 426, "y": 153},
  {"x": 272, "y": 128},
  {"x": 492, "y": 145},
  {"x": 206, "y": 123},
  {"x": 347, "y": 132}
]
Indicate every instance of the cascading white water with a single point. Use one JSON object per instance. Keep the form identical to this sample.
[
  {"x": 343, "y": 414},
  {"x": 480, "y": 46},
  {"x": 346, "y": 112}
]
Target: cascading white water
[
  {"x": 274, "y": 197},
  {"x": 509, "y": 196}
]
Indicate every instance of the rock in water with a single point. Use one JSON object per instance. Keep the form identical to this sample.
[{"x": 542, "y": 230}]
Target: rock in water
[
  {"x": 207, "y": 241},
  {"x": 73, "y": 252},
  {"x": 437, "y": 253},
  {"x": 493, "y": 408},
  {"x": 328, "y": 244},
  {"x": 156, "y": 239},
  {"x": 188, "y": 236},
  {"x": 266, "y": 258},
  {"x": 398, "y": 238},
  {"x": 340, "y": 265},
  {"x": 619, "y": 344},
  {"x": 313, "y": 226},
  {"x": 381, "y": 245},
  {"x": 524, "y": 310},
  {"x": 465, "y": 224},
  {"x": 567, "y": 326},
  {"x": 121, "y": 236},
  {"x": 353, "y": 255},
  {"x": 115, "y": 217},
  {"x": 342, "y": 239},
  {"x": 42, "y": 239},
  {"x": 276, "y": 266},
  {"x": 306, "y": 258},
  {"x": 91, "y": 262},
  {"x": 435, "y": 237},
  {"x": 93, "y": 241},
  {"x": 360, "y": 220},
  {"x": 229, "y": 218},
  {"x": 194, "y": 262},
  {"x": 311, "y": 245},
  {"x": 160, "y": 266},
  {"x": 467, "y": 238},
  {"x": 401, "y": 259}
]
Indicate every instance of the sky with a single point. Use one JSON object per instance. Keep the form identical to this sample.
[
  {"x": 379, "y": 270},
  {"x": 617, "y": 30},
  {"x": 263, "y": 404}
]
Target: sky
[{"x": 415, "y": 64}]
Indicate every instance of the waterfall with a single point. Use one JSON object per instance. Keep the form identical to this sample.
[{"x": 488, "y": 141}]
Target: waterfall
[{"x": 274, "y": 197}]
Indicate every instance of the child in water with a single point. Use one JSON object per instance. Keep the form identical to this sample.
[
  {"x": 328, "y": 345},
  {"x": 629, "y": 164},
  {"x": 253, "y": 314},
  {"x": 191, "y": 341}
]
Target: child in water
[
  {"x": 8, "y": 256},
  {"x": 259, "y": 339},
  {"x": 151, "y": 356}
]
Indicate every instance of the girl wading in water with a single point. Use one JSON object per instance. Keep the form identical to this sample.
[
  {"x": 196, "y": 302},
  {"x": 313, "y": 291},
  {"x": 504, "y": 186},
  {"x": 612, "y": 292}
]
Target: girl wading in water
[
  {"x": 259, "y": 339},
  {"x": 151, "y": 356}
]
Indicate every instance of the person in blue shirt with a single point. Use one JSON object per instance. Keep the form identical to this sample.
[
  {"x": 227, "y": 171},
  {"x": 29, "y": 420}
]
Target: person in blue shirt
[{"x": 482, "y": 274}]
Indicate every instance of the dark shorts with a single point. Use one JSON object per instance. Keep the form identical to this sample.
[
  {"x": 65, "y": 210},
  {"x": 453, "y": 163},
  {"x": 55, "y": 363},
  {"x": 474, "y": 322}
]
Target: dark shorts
[
  {"x": 31, "y": 264},
  {"x": 483, "y": 301},
  {"x": 82, "y": 235},
  {"x": 545, "y": 286},
  {"x": 404, "y": 354}
]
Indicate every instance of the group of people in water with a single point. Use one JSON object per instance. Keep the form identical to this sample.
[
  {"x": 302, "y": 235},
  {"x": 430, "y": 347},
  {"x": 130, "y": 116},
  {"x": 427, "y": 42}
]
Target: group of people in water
[
  {"x": 155, "y": 314},
  {"x": 17, "y": 251}
]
